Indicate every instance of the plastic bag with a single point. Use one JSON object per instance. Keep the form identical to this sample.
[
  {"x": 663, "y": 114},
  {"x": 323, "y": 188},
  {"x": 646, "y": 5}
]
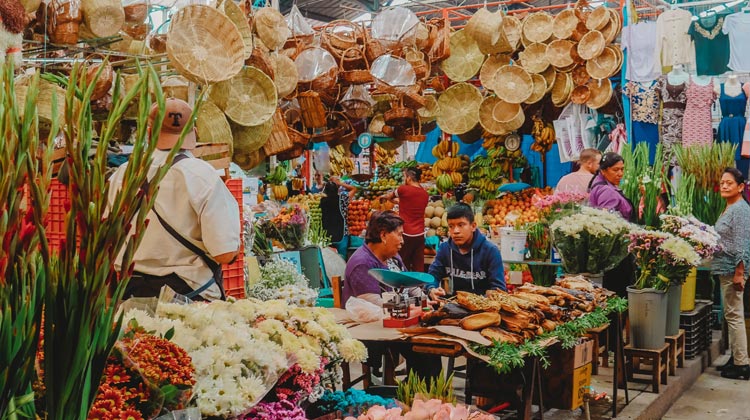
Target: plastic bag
[
  {"x": 395, "y": 25},
  {"x": 297, "y": 23},
  {"x": 393, "y": 71},
  {"x": 313, "y": 63},
  {"x": 321, "y": 158},
  {"x": 363, "y": 311},
  {"x": 189, "y": 414}
]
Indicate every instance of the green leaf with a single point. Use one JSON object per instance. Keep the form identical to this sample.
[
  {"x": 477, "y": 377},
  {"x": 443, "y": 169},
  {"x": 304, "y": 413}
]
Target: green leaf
[{"x": 169, "y": 334}]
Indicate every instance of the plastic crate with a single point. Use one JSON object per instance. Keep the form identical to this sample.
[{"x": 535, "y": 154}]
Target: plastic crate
[
  {"x": 54, "y": 223},
  {"x": 234, "y": 279}
]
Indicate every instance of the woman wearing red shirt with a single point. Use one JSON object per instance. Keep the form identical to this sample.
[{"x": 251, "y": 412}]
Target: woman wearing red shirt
[{"x": 412, "y": 201}]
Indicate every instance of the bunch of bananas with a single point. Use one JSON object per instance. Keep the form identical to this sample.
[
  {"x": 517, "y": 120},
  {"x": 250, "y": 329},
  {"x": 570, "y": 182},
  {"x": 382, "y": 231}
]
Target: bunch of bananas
[
  {"x": 445, "y": 182},
  {"x": 280, "y": 192},
  {"x": 544, "y": 135},
  {"x": 341, "y": 163},
  {"x": 495, "y": 146},
  {"x": 298, "y": 184},
  {"x": 385, "y": 157},
  {"x": 487, "y": 174},
  {"x": 449, "y": 163}
]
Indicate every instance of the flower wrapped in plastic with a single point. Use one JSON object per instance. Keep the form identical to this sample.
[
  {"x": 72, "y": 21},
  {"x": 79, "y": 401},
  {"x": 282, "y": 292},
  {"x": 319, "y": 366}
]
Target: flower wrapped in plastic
[
  {"x": 288, "y": 227},
  {"x": 703, "y": 237},
  {"x": 279, "y": 279},
  {"x": 662, "y": 259},
  {"x": 591, "y": 241}
]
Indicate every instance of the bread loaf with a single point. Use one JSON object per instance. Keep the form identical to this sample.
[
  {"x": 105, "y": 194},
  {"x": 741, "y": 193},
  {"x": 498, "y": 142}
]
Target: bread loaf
[{"x": 481, "y": 320}]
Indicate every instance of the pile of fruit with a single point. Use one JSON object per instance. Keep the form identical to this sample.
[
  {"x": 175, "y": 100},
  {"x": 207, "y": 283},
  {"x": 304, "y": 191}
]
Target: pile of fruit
[
  {"x": 544, "y": 135},
  {"x": 486, "y": 175},
  {"x": 517, "y": 207},
  {"x": 341, "y": 163},
  {"x": 496, "y": 149},
  {"x": 435, "y": 217},
  {"x": 450, "y": 168},
  {"x": 306, "y": 201},
  {"x": 384, "y": 157},
  {"x": 427, "y": 175},
  {"x": 357, "y": 216}
]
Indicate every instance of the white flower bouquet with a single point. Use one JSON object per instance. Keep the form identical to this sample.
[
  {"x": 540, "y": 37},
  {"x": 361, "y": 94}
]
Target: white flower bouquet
[
  {"x": 663, "y": 259},
  {"x": 591, "y": 241},
  {"x": 703, "y": 238},
  {"x": 279, "y": 279}
]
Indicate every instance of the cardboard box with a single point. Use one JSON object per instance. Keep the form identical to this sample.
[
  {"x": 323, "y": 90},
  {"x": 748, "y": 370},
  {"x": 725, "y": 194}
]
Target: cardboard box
[
  {"x": 583, "y": 353},
  {"x": 566, "y": 380}
]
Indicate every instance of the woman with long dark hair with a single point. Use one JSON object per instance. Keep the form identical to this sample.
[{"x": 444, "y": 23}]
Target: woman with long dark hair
[{"x": 732, "y": 264}]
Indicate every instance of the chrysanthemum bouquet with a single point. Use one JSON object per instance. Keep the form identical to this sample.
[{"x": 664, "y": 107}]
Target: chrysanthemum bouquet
[
  {"x": 279, "y": 279},
  {"x": 703, "y": 238},
  {"x": 287, "y": 227},
  {"x": 663, "y": 259},
  {"x": 591, "y": 241},
  {"x": 559, "y": 204}
]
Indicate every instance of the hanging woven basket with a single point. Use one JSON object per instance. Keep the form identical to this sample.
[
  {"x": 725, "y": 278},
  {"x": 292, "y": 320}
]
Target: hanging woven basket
[
  {"x": 465, "y": 60},
  {"x": 558, "y": 53},
  {"x": 279, "y": 140},
  {"x": 487, "y": 120},
  {"x": 604, "y": 65},
  {"x": 313, "y": 112},
  {"x": 514, "y": 84},
  {"x": 103, "y": 17},
  {"x": 212, "y": 126},
  {"x": 591, "y": 45},
  {"x": 250, "y": 139},
  {"x": 63, "y": 21},
  {"x": 459, "y": 108},
  {"x": 490, "y": 67},
  {"x": 549, "y": 77},
  {"x": 285, "y": 75},
  {"x": 271, "y": 27},
  {"x": 537, "y": 27},
  {"x": 248, "y": 99},
  {"x": 540, "y": 89},
  {"x": 237, "y": 16},
  {"x": 534, "y": 58},
  {"x": 565, "y": 24},
  {"x": 597, "y": 19},
  {"x": 601, "y": 93}
]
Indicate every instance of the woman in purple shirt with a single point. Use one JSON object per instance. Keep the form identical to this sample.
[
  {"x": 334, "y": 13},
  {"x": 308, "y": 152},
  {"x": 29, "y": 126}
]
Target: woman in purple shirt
[{"x": 605, "y": 193}]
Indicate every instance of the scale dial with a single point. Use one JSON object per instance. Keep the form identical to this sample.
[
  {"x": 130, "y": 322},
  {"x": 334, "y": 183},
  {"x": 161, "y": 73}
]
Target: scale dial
[{"x": 513, "y": 142}]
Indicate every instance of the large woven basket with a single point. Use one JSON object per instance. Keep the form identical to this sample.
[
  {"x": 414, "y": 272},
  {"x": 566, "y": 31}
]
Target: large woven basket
[
  {"x": 176, "y": 87},
  {"x": 514, "y": 84},
  {"x": 419, "y": 63},
  {"x": 103, "y": 17},
  {"x": 562, "y": 89},
  {"x": 459, "y": 108},
  {"x": 248, "y": 160},
  {"x": 597, "y": 19},
  {"x": 558, "y": 53},
  {"x": 279, "y": 140},
  {"x": 237, "y": 16},
  {"x": 250, "y": 139},
  {"x": 604, "y": 65},
  {"x": 343, "y": 34},
  {"x": 612, "y": 28},
  {"x": 271, "y": 27},
  {"x": 591, "y": 45},
  {"x": 486, "y": 119},
  {"x": 312, "y": 111},
  {"x": 601, "y": 93},
  {"x": 261, "y": 60},
  {"x": 212, "y": 126},
  {"x": 465, "y": 60},
  {"x": 512, "y": 28},
  {"x": 549, "y": 77},
  {"x": 285, "y": 74},
  {"x": 490, "y": 67},
  {"x": 63, "y": 22},
  {"x": 358, "y": 76},
  {"x": 136, "y": 12},
  {"x": 534, "y": 58},
  {"x": 565, "y": 24},
  {"x": 580, "y": 94},
  {"x": 540, "y": 89},
  {"x": 248, "y": 99},
  {"x": 204, "y": 45},
  {"x": 537, "y": 27},
  {"x": 487, "y": 28},
  {"x": 509, "y": 116}
]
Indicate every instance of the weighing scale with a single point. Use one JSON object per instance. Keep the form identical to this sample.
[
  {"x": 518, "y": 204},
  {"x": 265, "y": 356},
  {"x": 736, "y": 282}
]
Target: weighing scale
[{"x": 403, "y": 310}]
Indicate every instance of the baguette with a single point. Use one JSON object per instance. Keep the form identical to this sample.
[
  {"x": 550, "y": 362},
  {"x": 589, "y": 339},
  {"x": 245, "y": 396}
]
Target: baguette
[{"x": 481, "y": 320}]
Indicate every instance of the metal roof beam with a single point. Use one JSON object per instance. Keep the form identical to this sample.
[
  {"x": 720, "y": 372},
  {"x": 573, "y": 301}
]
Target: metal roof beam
[{"x": 315, "y": 15}]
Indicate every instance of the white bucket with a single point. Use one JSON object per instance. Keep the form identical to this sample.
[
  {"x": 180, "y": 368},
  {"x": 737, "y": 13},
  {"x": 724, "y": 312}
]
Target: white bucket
[{"x": 512, "y": 244}]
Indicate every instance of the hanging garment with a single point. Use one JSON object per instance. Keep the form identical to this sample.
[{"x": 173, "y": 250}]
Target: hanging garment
[
  {"x": 672, "y": 39},
  {"x": 711, "y": 46},
  {"x": 648, "y": 133},
  {"x": 696, "y": 125},
  {"x": 737, "y": 26},
  {"x": 639, "y": 40},
  {"x": 674, "y": 100},
  {"x": 732, "y": 125},
  {"x": 644, "y": 101}
]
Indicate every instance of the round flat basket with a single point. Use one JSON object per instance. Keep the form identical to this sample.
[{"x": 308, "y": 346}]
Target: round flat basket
[
  {"x": 485, "y": 27},
  {"x": 611, "y": 29},
  {"x": 540, "y": 89},
  {"x": 490, "y": 67},
  {"x": 512, "y": 114},
  {"x": 204, "y": 45},
  {"x": 537, "y": 27},
  {"x": 512, "y": 28},
  {"x": 486, "y": 119},
  {"x": 580, "y": 95},
  {"x": 549, "y": 76},
  {"x": 561, "y": 89},
  {"x": 558, "y": 53},
  {"x": 534, "y": 58},
  {"x": 430, "y": 110},
  {"x": 514, "y": 84},
  {"x": 617, "y": 51},
  {"x": 248, "y": 160},
  {"x": 285, "y": 74},
  {"x": 459, "y": 108},
  {"x": 597, "y": 19},
  {"x": 604, "y": 65},
  {"x": 601, "y": 93},
  {"x": 102, "y": 18},
  {"x": 237, "y": 17},
  {"x": 248, "y": 99},
  {"x": 465, "y": 59},
  {"x": 580, "y": 75},
  {"x": 212, "y": 126},
  {"x": 271, "y": 27},
  {"x": 565, "y": 24},
  {"x": 591, "y": 45},
  {"x": 250, "y": 139}
]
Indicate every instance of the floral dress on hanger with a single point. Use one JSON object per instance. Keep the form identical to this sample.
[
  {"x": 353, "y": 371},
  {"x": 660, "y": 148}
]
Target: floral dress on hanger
[
  {"x": 644, "y": 102},
  {"x": 674, "y": 99},
  {"x": 696, "y": 126}
]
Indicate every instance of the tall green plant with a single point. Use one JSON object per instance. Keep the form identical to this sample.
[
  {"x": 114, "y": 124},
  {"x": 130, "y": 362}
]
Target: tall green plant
[
  {"x": 25, "y": 168},
  {"x": 706, "y": 164},
  {"x": 635, "y": 163},
  {"x": 84, "y": 288},
  {"x": 654, "y": 181}
]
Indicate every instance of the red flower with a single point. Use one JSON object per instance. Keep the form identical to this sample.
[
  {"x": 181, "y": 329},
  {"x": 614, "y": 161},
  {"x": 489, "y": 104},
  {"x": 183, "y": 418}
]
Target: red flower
[
  {"x": 130, "y": 414},
  {"x": 115, "y": 373}
]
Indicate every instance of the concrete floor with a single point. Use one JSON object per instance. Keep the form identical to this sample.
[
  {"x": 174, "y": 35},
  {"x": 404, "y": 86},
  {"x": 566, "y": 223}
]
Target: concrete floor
[{"x": 713, "y": 397}]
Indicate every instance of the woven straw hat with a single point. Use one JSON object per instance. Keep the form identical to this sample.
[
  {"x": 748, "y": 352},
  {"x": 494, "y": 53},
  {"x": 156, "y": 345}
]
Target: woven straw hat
[
  {"x": 271, "y": 27},
  {"x": 465, "y": 59},
  {"x": 558, "y": 53},
  {"x": 204, "y": 45},
  {"x": 597, "y": 19},
  {"x": 212, "y": 126},
  {"x": 510, "y": 116},
  {"x": 248, "y": 99},
  {"x": 604, "y": 65},
  {"x": 285, "y": 74},
  {"x": 534, "y": 58},
  {"x": 537, "y": 27},
  {"x": 565, "y": 24},
  {"x": 490, "y": 67},
  {"x": 549, "y": 77},
  {"x": 540, "y": 89},
  {"x": 250, "y": 139},
  {"x": 580, "y": 75},
  {"x": 512, "y": 28},
  {"x": 459, "y": 108},
  {"x": 580, "y": 95},
  {"x": 486, "y": 119},
  {"x": 601, "y": 93},
  {"x": 562, "y": 89},
  {"x": 591, "y": 45},
  {"x": 237, "y": 17},
  {"x": 516, "y": 84}
]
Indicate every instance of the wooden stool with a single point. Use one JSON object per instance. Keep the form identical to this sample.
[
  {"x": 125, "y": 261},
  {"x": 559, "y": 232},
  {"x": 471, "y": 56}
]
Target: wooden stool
[
  {"x": 600, "y": 337},
  {"x": 658, "y": 369},
  {"x": 676, "y": 351}
]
